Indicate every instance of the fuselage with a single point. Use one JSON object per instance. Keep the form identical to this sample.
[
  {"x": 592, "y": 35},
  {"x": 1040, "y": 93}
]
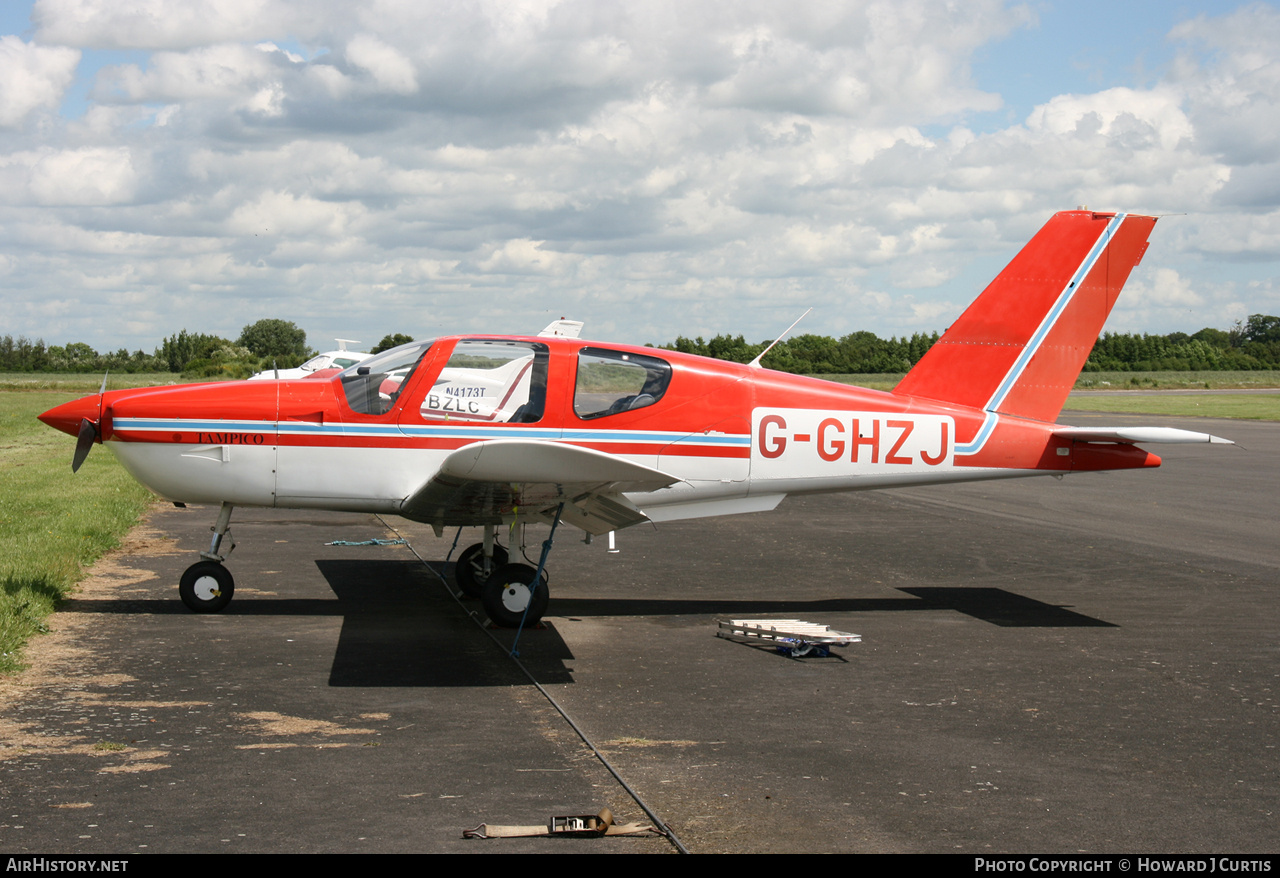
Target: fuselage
[{"x": 736, "y": 438}]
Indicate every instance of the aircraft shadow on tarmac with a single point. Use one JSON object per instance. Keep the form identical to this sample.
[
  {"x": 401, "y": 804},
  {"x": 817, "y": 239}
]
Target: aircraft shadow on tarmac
[
  {"x": 397, "y": 633},
  {"x": 994, "y": 605},
  {"x": 399, "y": 627}
]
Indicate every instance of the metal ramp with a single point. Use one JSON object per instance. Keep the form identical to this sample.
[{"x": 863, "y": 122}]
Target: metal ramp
[{"x": 791, "y": 637}]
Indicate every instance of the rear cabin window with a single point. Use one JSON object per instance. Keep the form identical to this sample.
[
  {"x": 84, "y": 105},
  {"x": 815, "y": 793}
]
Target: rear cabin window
[
  {"x": 373, "y": 385},
  {"x": 499, "y": 382},
  {"x": 610, "y": 382}
]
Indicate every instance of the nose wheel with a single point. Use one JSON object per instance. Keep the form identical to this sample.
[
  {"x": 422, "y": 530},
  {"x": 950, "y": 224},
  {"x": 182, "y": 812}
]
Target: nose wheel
[
  {"x": 206, "y": 587},
  {"x": 473, "y": 568}
]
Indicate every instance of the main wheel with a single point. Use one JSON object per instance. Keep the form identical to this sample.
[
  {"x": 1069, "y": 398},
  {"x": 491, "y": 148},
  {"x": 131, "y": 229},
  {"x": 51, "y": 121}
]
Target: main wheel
[
  {"x": 470, "y": 573},
  {"x": 509, "y": 590},
  {"x": 206, "y": 587}
]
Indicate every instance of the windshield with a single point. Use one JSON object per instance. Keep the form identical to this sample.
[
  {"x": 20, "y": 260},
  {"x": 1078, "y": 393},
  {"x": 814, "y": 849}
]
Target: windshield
[{"x": 373, "y": 385}]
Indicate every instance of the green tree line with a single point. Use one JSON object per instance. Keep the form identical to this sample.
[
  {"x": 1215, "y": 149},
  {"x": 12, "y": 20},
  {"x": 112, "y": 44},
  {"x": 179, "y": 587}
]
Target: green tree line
[
  {"x": 259, "y": 346},
  {"x": 1250, "y": 344},
  {"x": 856, "y": 353}
]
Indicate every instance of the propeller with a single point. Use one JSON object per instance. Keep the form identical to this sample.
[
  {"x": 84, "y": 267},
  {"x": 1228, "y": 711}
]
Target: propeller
[{"x": 88, "y": 431}]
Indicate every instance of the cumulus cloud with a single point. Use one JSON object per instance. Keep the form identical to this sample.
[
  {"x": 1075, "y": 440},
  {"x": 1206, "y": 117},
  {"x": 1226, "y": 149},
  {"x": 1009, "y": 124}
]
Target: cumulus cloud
[
  {"x": 34, "y": 76},
  {"x": 225, "y": 72},
  {"x": 158, "y": 24},
  {"x": 1163, "y": 286},
  {"x": 1132, "y": 118},
  {"x": 655, "y": 169},
  {"x": 1230, "y": 74},
  {"x": 390, "y": 70},
  {"x": 89, "y": 176}
]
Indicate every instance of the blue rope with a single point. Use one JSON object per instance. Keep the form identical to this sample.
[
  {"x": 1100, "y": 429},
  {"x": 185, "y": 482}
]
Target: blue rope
[
  {"x": 537, "y": 578},
  {"x": 456, "y": 537}
]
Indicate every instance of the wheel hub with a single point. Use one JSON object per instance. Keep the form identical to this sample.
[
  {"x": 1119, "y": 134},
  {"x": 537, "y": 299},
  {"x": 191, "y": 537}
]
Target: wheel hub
[
  {"x": 515, "y": 597},
  {"x": 206, "y": 588}
]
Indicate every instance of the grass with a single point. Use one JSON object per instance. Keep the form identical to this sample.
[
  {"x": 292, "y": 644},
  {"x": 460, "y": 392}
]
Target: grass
[
  {"x": 79, "y": 383},
  {"x": 1178, "y": 380},
  {"x": 877, "y": 381},
  {"x": 53, "y": 524},
  {"x": 1243, "y": 406}
]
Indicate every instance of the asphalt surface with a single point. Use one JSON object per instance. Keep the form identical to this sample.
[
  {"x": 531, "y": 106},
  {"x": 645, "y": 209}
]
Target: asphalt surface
[{"x": 1088, "y": 665}]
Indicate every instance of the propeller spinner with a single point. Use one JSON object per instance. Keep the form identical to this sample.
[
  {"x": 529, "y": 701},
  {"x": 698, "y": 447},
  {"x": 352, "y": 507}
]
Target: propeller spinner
[{"x": 81, "y": 418}]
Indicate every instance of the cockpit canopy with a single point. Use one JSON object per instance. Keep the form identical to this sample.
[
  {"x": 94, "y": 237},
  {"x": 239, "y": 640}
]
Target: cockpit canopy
[{"x": 504, "y": 381}]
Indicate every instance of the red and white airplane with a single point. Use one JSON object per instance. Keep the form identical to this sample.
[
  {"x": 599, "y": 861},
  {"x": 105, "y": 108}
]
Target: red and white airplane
[{"x": 489, "y": 431}]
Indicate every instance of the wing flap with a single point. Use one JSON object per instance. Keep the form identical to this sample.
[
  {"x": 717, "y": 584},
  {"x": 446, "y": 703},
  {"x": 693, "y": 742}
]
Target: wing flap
[{"x": 598, "y": 513}]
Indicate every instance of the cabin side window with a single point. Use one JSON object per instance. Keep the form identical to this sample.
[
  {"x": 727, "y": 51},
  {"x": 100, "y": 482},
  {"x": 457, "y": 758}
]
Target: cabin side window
[
  {"x": 610, "y": 382},
  {"x": 372, "y": 386},
  {"x": 491, "y": 381}
]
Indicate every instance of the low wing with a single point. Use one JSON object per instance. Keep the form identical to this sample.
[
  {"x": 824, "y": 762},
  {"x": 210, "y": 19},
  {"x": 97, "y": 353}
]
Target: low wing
[
  {"x": 492, "y": 482},
  {"x": 1130, "y": 435}
]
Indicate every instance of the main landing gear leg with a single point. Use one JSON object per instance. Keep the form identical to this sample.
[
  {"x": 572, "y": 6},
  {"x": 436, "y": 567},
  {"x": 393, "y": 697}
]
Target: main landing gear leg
[
  {"x": 477, "y": 563},
  {"x": 516, "y": 595},
  {"x": 207, "y": 586}
]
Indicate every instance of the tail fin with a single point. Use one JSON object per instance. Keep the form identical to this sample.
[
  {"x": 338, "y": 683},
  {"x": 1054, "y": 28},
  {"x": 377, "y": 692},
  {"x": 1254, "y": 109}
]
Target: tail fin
[{"x": 1019, "y": 347}]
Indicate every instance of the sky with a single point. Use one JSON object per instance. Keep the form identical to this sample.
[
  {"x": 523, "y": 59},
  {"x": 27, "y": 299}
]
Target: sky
[{"x": 654, "y": 169}]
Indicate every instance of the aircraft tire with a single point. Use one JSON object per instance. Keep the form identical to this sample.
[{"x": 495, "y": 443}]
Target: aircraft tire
[
  {"x": 507, "y": 592},
  {"x": 206, "y": 587},
  {"x": 468, "y": 573}
]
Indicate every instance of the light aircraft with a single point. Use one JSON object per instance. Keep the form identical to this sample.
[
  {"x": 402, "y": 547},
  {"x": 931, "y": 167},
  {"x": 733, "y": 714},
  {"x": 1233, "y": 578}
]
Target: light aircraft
[
  {"x": 330, "y": 362},
  {"x": 489, "y": 431}
]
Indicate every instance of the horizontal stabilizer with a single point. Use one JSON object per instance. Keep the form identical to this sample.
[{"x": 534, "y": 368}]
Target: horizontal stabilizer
[{"x": 1129, "y": 435}]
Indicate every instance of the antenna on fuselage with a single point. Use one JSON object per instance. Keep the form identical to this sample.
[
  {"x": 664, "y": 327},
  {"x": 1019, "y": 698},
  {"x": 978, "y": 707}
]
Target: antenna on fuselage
[{"x": 755, "y": 364}]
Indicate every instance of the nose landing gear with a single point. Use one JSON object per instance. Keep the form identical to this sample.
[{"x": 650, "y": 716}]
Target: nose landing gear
[
  {"x": 207, "y": 586},
  {"x": 477, "y": 563}
]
